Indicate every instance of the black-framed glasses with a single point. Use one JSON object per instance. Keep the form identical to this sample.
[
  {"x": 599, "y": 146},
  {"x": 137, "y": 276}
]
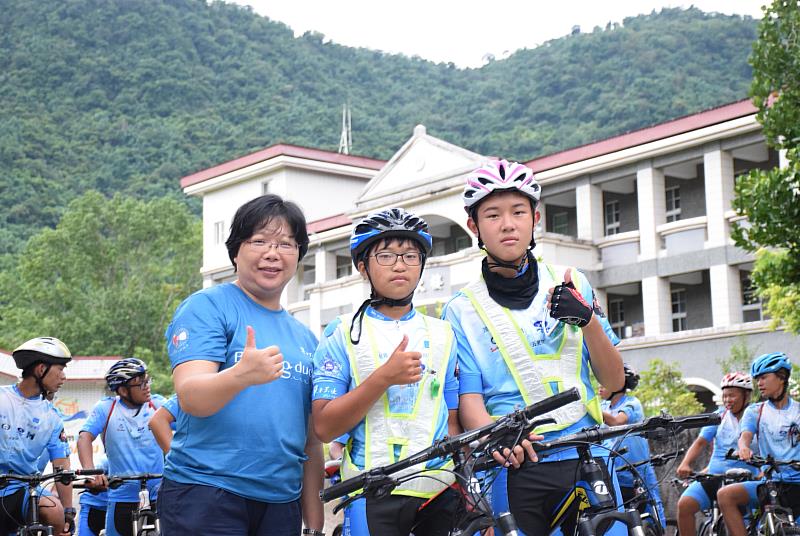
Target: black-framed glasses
[
  {"x": 284, "y": 247},
  {"x": 387, "y": 258},
  {"x": 143, "y": 381}
]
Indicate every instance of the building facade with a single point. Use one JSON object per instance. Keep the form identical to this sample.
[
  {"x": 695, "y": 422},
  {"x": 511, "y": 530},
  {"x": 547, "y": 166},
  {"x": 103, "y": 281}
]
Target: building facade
[{"x": 646, "y": 216}]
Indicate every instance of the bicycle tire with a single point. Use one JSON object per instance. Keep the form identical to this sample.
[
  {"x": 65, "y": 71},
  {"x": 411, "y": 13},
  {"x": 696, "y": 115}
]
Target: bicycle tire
[
  {"x": 705, "y": 528},
  {"x": 337, "y": 531},
  {"x": 788, "y": 530}
]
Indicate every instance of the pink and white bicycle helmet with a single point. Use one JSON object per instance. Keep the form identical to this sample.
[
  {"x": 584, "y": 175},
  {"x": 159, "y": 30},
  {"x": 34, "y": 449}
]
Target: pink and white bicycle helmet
[
  {"x": 499, "y": 175},
  {"x": 737, "y": 379}
]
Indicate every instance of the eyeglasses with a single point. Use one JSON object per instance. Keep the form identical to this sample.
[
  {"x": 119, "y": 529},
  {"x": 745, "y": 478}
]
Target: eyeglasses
[
  {"x": 284, "y": 247},
  {"x": 146, "y": 380},
  {"x": 387, "y": 258}
]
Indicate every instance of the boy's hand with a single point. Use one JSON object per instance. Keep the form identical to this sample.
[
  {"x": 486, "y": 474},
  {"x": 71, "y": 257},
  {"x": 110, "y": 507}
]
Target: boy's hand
[
  {"x": 567, "y": 305},
  {"x": 402, "y": 368}
]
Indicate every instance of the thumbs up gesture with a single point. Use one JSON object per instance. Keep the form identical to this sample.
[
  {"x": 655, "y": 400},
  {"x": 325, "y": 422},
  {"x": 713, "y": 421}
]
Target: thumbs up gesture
[
  {"x": 259, "y": 366},
  {"x": 567, "y": 304},
  {"x": 402, "y": 367}
]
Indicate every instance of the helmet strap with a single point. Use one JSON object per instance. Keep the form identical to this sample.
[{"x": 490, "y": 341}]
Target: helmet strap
[{"x": 40, "y": 380}]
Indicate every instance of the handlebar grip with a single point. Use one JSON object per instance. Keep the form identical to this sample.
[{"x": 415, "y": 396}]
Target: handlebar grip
[
  {"x": 89, "y": 472},
  {"x": 552, "y": 403},
  {"x": 341, "y": 489}
]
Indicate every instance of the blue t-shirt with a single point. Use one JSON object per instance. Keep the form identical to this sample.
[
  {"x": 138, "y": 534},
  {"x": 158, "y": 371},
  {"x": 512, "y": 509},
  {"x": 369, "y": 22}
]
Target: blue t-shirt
[
  {"x": 638, "y": 449},
  {"x": 44, "y": 459},
  {"x": 129, "y": 443},
  {"x": 253, "y": 447},
  {"x": 96, "y": 500},
  {"x": 777, "y": 433},
  {"x": 29, "y": 429},
  {"x": 333, "y": 378},
  {"x": 724, "y": 436},
  {"x": 482, "y": 368},
  {"x": 173, "y": 407}
]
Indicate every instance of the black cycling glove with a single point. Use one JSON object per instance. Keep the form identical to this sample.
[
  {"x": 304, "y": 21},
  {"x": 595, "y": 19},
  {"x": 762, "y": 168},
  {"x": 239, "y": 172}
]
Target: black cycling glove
[
  {"x": 567, "y": 305},
  {"x": 69, "y": 519}
]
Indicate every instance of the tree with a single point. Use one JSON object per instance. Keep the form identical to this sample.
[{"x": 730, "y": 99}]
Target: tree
[
  {"x": 661, "y": 387},
  {"x": 106, "y": 280},
  {"x": 742, "y": 354},
  {"x": 771, "y": 199}
]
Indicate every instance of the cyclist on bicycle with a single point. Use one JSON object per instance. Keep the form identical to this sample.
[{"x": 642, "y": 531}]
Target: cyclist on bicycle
[
  {"x": 30, "y": 427},
  {"x": 163, "y": 423},
  {"x": 620, "y": 408},
  {"x": 526, "y": 330},
  {"x": 737, "y": 388},
  {"x": 387, "y": 375},
  {"x": 121, "y": 423},
  {"x": 92, "y": 514},
  {"x": 775, "y": 425}
]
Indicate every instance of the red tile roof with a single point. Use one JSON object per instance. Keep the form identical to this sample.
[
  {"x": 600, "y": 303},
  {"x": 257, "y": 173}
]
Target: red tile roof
[
  {"x": 331, "y": 222},
  {"x": 681, "y": 125},
  {"x": 282, "y": 149}
]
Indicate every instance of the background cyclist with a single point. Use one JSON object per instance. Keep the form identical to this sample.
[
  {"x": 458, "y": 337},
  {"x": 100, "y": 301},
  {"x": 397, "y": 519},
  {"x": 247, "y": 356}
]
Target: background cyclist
[
  {"x": 737, "y": 389},
  {"x": 387, "y": 375},
  {"x": 522, "y": 321},
  {"x": 31, "y": 427},
  {"x": 621, "y": 408},
  {"x": 775, "y": 424},
  {"x": 121, "y": 423},
  {"x": 163, "y": 423}
]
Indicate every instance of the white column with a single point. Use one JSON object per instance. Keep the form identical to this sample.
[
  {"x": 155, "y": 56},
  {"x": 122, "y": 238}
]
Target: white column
[
  {"x": 726, "y": 295},
  {"x": 718, "y": 169},
  {"x": 656, "y": 305},
  {"x": 324, "y": 266},
  {"x": 652, "y": 208},
  {"x": 589, "y": 208}
]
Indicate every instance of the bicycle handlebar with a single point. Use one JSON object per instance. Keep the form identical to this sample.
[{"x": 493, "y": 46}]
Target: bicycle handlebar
[
  {"x": 758, "y": 461},
  {"x": 62, "y": 477},
  {"x": 512, "y": 423},
  {"x": 655, "y": 461}
]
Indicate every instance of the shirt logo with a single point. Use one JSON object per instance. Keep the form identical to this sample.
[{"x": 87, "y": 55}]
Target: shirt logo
[{"x": 180, "y": 339}]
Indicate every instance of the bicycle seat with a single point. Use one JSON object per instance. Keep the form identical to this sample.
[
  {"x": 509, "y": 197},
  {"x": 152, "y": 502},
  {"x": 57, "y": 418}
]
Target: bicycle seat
[{"x": 737, "y": 474}]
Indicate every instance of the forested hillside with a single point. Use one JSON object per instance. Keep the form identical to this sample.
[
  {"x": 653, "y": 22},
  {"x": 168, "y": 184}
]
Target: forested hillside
[{"x": 129, "y": 95}]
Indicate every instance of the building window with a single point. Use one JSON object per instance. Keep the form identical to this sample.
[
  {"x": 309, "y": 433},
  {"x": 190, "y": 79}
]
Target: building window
[
  {"x": 219, "y": 232},
  {"x": 751, "y": 303},
  {"x": 463, "y": 242},
  {"x": 344, "y": 266},
  {"x": 616, "y": 317},
  {"x": 679, "y": 310},
  {"x": 673, "y": 203},
  {"x": 612, "y": 218},
  {"x": 561, "y": 223},
  {"x": 265, "y": 187}
]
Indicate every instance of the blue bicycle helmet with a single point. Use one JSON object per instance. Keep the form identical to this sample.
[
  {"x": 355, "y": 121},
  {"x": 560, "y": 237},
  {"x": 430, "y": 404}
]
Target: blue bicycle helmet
[
  {"x": 390, "y": 223},
  {"x": 770, "y": 363},
  {"x": 123, "y": 371}
]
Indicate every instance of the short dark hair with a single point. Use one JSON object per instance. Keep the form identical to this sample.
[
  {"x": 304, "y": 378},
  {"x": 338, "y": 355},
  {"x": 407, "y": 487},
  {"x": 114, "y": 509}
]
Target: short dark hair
[
  {"x": 472, "y": 212},
  {"x": 257, "y": 213}
]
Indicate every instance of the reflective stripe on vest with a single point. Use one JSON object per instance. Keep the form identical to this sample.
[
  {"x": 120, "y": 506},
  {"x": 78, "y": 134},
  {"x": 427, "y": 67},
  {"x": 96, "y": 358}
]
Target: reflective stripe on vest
[
  {"x": 412, "y": 432},
  {"x": 534, "y": 373}
]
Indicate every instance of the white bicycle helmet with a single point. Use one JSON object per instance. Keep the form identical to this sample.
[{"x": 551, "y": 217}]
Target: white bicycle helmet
[
  {"x": 499, "y": 175},
  {"x": 48, "y": 350},
  {"x": 737, "y": 379}
]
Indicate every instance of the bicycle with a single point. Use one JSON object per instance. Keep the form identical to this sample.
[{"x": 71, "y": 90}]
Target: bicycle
[
  {"x": 713, "y": 524},
  {"x": 772, "y": 519},
  {"x": 34, "y": 527},
  {"x": 333, "y": 476},
  {"x": 144, "y": 519}
]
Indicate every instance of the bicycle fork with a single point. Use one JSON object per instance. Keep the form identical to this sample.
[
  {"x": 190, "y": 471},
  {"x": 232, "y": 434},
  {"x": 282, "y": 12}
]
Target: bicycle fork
[{"x": 145, "y": 520}]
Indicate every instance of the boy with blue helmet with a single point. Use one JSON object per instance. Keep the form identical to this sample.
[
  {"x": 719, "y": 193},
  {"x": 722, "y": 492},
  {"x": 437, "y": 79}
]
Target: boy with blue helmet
[
  {"x": 121, "y": 423},
  {"x": 527, "y": 330},
  {"x": 737, "y": 388},
  {"x": 386, "y": 375},
  {"x": 775, "y": 425}
]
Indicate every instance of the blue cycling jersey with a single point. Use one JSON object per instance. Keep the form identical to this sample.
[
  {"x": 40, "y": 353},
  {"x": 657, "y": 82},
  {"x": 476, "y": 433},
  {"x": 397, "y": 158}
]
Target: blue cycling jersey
[{"x": 777, "y": 433}]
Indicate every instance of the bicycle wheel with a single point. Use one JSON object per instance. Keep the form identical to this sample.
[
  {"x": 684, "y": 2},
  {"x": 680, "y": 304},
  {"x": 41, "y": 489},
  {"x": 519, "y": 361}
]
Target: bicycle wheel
[{"x": 785, "y": 529}]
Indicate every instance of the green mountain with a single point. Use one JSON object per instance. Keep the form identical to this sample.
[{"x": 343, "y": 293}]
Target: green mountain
[{"x": 129, "y": 95}]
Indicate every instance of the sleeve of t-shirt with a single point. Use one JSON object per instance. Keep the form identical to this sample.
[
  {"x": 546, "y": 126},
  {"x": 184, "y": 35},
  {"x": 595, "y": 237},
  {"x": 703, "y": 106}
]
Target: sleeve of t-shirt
[
  {"x": 633, "y": 409},
  {"x": 708, "y": 433},
  {"x": 172, "y": 406},
  {"x": 57, "y": 446},
  {"x": 470, "y": 379},
  {"x": 97, "y": 418},
  {"x": 331, "y": 376},
  {"x": 197, "y": 332},
  {"x": 749, "y": 422},
  {"x": 451, "y": 381},
  {"x": 589, "y": 296}
]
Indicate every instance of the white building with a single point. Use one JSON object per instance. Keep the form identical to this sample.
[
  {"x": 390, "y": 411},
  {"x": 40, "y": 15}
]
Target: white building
[{"x": 646, "y": 215}]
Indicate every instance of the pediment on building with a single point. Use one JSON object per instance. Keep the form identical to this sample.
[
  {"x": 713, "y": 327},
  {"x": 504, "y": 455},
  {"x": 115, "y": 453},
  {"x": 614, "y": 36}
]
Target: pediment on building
[{"x": 423, "y": 163}]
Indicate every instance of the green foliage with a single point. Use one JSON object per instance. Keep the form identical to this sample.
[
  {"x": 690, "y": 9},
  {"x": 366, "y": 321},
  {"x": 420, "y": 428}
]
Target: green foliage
[
  {"x": 740, "y": 357},
  {"x": 106, "y": 280},
  {"x": 771, "y": 199},
  {"x": 127, "y": 96},
  {"x": 661, "y": 387}
]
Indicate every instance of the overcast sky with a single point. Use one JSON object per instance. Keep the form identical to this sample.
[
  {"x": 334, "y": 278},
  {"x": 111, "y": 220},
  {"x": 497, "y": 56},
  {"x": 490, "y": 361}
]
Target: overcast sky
[{"x": 464, "y": 31}]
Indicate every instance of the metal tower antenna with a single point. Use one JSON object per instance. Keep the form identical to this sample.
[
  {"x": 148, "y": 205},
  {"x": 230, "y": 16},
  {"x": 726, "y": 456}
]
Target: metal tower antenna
[{"x": 346, "y": 139}]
